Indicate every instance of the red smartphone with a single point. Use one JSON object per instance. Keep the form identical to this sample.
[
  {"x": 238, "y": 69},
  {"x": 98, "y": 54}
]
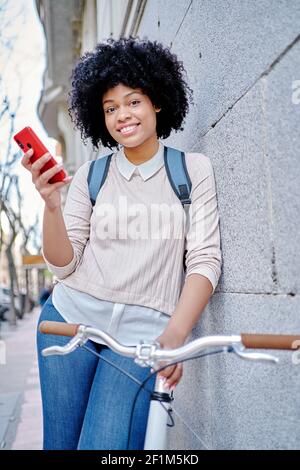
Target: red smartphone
[{"x": 27, "y": 139}]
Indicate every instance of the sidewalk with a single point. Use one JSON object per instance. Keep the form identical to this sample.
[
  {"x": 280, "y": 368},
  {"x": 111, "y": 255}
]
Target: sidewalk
[{"x": 20, "y": 401}]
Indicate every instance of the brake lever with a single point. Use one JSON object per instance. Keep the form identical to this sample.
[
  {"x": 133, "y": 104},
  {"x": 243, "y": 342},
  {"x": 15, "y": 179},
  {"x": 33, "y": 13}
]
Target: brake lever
[
  {"x": 240, "y": 350},
  {"x": 75, "y": 342}
]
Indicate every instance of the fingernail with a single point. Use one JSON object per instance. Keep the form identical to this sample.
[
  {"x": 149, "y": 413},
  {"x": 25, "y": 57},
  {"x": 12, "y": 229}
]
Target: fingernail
[
  {"x": 30, "y": 152},
  {"x": 172, "y": 388},
  {"x": 162, "y": 378}
]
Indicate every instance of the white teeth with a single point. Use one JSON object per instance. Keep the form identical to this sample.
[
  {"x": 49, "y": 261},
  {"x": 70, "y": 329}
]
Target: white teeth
[{"x": 127, "y": 129}]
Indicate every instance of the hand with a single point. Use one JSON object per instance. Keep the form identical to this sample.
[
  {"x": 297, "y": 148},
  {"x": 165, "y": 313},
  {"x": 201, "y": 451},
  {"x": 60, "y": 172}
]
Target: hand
[
  {"x": 49, "y": 192},
  {"x": 172, "y": 374}
]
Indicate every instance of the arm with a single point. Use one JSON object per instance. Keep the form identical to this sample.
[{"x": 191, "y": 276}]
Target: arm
[
  {"x": 66, "y": 233},
  {"x": 57, "y": 248},
  {"x": 203, "y": 264},
  {"x": 194, "y": 297}
]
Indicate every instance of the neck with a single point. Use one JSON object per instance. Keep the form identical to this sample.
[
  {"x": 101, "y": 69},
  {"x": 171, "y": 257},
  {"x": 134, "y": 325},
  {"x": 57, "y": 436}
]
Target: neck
[{"x": 142, "y": 153}]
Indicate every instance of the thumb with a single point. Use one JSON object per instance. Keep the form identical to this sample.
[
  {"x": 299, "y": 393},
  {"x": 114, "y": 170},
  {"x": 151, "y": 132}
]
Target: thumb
[{"x": 167, "y": 371}]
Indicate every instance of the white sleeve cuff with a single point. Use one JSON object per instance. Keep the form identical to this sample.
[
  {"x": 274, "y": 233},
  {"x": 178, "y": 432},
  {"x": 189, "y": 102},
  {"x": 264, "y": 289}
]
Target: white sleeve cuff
[
  {"x": 208, "y": 273},
  {"x": 61, "y": 271}
]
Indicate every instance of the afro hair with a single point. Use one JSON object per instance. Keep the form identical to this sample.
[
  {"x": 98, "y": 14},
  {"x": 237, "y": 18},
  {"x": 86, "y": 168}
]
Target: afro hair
[{"x": 136, "y": 63}]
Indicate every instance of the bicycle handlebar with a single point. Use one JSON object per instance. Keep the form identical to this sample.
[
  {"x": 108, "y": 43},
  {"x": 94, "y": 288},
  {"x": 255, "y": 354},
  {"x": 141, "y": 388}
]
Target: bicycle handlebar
[{"x": 150, "y": 354}]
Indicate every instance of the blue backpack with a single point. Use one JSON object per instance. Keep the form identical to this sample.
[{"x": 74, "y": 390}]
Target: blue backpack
[{"x": 176, "y": 171}]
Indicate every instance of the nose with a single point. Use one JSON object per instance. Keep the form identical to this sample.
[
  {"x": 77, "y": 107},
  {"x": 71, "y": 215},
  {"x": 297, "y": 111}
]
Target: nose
[{"x": 123, "y": 114}]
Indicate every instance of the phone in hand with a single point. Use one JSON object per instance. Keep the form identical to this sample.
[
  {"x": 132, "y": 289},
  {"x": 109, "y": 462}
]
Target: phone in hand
[{"x": 27, "y": 139}]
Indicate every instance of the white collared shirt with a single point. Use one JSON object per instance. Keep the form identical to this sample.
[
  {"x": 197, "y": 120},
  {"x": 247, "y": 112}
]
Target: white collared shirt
[{"x": 146, "y": 169}]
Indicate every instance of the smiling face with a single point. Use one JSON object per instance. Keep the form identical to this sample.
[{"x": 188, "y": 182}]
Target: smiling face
[{"x": 130, "y": 109}]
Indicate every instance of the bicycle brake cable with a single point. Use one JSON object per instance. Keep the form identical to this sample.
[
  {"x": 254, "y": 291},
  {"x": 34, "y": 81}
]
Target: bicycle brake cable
[
  {"x": 167, "y": 411},
  {"x": 130, "y": 376}
]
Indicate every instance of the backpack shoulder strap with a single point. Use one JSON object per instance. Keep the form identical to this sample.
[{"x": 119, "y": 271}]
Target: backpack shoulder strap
[
  {"x": 178, "y": 175},
  {"x": 97, "y": 175},
  {"x": 181, "y": 183}
]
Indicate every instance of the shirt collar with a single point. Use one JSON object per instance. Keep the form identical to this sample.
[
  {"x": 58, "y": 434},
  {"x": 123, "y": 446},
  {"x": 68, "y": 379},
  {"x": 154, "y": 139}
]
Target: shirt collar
[{"x": 146, "y": 169}]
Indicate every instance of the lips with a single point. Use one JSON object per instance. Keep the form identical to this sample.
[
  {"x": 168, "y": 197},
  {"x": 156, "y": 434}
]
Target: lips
[{"x": 128, "y": 125}]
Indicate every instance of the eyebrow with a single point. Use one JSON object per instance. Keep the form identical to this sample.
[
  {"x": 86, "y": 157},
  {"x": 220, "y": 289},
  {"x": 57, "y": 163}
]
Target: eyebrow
[{"x": 125, "y": 96}]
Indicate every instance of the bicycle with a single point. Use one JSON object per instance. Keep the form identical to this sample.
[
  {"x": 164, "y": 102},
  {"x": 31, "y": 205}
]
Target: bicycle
[{"x": 149, "y": 354}]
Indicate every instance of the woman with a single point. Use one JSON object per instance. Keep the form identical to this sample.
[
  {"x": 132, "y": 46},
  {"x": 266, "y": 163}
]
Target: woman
[{"x": 116, "y": 267}]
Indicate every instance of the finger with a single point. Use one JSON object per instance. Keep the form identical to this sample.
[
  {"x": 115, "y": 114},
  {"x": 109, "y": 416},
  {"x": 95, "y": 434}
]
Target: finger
[
  {"x": 54, "y": 186},
  {"x": 166, "y": 373},
  {"x": 46, "y": 175},
  {"x": 46, "y": 191},
  {"x": 174, "y": 379},
  {"x": 36, "y": 166},
  {"x": 60, "y": 184},
  {"x": 25, "y": 160},
  {"x": 68, "y": 179}
]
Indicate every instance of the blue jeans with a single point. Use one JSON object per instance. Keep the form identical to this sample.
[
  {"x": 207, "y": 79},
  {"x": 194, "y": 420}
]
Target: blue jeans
[{"x": 86, "y": 402}]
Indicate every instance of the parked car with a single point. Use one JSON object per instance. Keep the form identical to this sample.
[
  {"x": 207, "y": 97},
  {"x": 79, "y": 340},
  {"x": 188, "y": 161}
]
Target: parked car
[
  {"x": 5, "y": 300},
  {"x": 4, "y": 297},
  {"x": 4, "y": 304},
  {"x": 4, "y": 310}
]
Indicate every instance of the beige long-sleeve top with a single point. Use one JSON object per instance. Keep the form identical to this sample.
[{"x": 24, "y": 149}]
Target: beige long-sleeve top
[{"x": 129, "y": 248}]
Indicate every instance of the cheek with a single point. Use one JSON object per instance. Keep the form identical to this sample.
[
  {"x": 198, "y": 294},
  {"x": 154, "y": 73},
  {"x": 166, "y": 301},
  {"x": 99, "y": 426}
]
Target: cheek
[
  {"x": 109, "y": 124},
  {"x": 147, "y": 116},
  {"x": 153, "y": 121}
]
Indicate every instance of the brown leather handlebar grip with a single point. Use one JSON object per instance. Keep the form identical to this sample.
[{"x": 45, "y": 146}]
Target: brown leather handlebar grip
[
  {"x": 268, "y": 341},
  {"x": 58, "y": 328}
]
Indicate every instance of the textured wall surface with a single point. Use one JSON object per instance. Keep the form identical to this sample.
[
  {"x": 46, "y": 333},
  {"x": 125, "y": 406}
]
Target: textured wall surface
[{"x": 242, "y": 58}]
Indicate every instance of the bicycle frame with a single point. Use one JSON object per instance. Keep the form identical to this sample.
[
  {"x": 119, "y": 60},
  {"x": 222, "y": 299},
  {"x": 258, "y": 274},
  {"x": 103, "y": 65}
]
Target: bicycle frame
[{"x": 151, "y": 355}]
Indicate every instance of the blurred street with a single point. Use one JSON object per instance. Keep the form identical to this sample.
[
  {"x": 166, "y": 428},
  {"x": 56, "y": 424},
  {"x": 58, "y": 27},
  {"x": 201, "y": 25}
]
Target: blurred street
[{"x": 20, "y": 402}]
